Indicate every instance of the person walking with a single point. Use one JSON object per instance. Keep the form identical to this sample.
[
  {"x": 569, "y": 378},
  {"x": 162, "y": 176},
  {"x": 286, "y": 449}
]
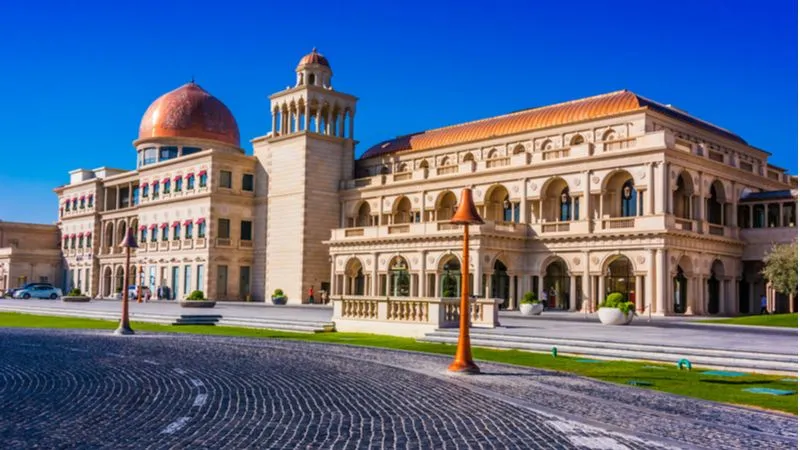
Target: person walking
[
  {"x": 311, "y": 294},
  {"x": 764, "y": 304},
  {"x": 544, "y": 298}
]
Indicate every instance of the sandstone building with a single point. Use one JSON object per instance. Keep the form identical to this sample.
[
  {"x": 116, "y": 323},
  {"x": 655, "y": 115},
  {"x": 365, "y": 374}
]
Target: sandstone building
[{"x": 615, "y": 192}]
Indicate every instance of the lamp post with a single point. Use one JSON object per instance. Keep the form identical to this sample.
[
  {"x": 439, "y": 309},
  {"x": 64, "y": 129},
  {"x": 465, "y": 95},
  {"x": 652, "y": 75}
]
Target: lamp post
[
  {"x": 137, "y": 276},
  {"x": 128, "y": 243},
  {"x": 465, "y": 215}
]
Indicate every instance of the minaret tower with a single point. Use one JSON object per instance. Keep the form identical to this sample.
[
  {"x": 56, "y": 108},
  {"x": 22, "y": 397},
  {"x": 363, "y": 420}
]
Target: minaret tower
[{"x": 304, "y": 159}]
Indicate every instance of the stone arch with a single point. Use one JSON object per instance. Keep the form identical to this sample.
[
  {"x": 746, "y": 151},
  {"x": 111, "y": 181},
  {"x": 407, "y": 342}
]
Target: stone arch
[
  {"x": 716, "y": 276},
  {"x": 468, "y": 157},
  {"x": 423, "y": 164},
  {"x": 119, "y": 279},
  {"x": 547, "y": 145},
  {"x": 609, "y": 135},
  {"x": 449, "y": 269},
  {"x": 398, "y": 277},
  {"x": 363, "y": 215},
  {"x": 445, "y": 205},
  {"x": 401, "y": 210},
  {"x": 493, "y": 153},
  {"x": 555, "y": 273},
  {"x": 107, "y": 281},
  {"x": 445, "y": 161},
  {"x": 554, "y": 257},
  {"x": 680, "y": 285},
  {"x": 682, "y": 196},
  {"x": 716, "y": 204},
  {"x": 518, "y": 149},
  {"x": 576, "y": 140},
  {"x": 355, "y": 279},
  {"x": 496, "y": 203},
  {"x": 620, "y": 197},
  {"x": 108, "y": 235},
  {"x": 620, "y": 275},
  {"x": 555, "y": 206}
]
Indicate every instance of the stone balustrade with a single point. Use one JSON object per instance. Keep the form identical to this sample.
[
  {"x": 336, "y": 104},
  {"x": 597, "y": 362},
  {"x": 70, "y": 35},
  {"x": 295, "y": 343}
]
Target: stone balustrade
[{"x": 409, "y": 316}]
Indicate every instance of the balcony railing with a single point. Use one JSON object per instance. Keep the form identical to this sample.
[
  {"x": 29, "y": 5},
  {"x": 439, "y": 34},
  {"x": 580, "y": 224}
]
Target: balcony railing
[
  {"x": 615, "y": 223},
  {"x": 245, "y": 244},
  {"x": 353, "y": 232},
  {"x": 558, "y": 227},
  {"x": 716, "y": 230},
  {"x": 187, "y": 243},
  {"x": 497, "y": 162},
  {"x": 555, "y": 153},
  {"x": 402, "y": 176},
  {"x": 446, "y": 225},
  {"x": 223, "y": 242},
  {"x": 683, "y": 224},
  {"x": 446, "y": 170},
  {"x": 619, "y": 144},
  {"x": 396, "y": 229}
]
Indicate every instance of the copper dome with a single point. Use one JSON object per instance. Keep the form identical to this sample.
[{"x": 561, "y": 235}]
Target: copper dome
[
  {"x": 190, "y": 112},
  {"x": 314, "y": 58}
]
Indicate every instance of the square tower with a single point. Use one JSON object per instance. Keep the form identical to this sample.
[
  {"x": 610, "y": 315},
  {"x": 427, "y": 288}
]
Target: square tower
[{"x": 303, "y": 160}]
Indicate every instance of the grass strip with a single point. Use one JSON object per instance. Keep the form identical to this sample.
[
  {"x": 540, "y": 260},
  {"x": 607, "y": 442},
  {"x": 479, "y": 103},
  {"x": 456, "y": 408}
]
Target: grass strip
[
  {"x": 659, "y": 377},
  {"x": 765, "y": 320}
]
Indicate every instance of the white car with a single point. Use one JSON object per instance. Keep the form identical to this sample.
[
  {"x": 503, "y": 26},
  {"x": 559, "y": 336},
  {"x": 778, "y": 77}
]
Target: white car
[{"x": 38, "y": 291}]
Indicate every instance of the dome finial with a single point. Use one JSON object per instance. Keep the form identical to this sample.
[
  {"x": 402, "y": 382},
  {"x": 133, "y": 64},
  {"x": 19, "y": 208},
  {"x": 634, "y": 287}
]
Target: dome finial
[{"x": 192, "y": 80}]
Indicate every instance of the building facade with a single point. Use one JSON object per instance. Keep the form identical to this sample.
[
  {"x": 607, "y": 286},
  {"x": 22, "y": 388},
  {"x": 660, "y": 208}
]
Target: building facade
[
  {"x": 29, "y": 253},
  {"x": 609, "y": 193}
]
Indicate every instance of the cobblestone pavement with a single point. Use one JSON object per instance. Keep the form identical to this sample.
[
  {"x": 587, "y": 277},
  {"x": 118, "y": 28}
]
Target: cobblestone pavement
[{"x": 90, "y": 389}]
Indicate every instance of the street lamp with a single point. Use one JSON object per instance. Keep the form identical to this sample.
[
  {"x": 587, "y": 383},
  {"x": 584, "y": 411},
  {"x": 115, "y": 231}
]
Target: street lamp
[
  {"x": 465, "y": 215},
  {"x": 128, "y": 243}
]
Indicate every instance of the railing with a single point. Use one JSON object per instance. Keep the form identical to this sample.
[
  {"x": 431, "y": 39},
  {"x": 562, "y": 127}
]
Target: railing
[
  {"x": 245, "y": 244},
  {"x": 223, "y": 242},
  {"x": 394, "y": 229},
  {"x": 200, "y": 243},
  {"x": 446, "y": 225},
  {"x": 401, "y": 176},
  {"x": 175, "y": 245},
  {"x": 557, "y": 227},
  {"x": 152, "y": 245},
  {"x": 618, "y": 222},
  {"x": 684, "y": 146},
  {"x": 409, "y": 316},
  {"x": 716, "y": 230},
  {"x": 163, "y": 245},
  {"x": 555, "y": 153},
  {"x": 497, "y": 162},
  {"x": 619, "y": 144},
  {"x": 683, "y": 224},
  {"x": 187, "y": 243},
  {"x": 361, "y": 182},
  {"x": 446, "y": 170},
  {"x": 353, "y": 232}
]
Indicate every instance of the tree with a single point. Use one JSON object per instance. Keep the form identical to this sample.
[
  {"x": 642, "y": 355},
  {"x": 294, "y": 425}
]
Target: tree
[{"x": 780, "y": 268}]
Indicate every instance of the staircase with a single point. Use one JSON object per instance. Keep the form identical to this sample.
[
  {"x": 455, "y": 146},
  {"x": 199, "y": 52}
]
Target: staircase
[{"x": 725, "y": 359}]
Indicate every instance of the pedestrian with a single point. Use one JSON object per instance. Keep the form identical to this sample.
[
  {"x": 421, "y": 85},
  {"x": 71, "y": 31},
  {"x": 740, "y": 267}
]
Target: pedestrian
[
  {"x": 544, "y": 298},
  {"x": 311, "y": 294},
  {"x": 764, "y": 304}
]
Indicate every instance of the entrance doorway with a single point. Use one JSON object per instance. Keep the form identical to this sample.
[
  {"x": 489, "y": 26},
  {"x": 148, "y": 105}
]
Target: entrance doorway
[
  {"x": 714, "y": 284},
  {"x": 451, "y": 278},
  {"x": 679, "y": 288},
  {"x": 556, "y": 283},
  {"x": 500, "y": 283},
  {"x": 399, "y": 278},
  {"x": 620, "y": 278}
]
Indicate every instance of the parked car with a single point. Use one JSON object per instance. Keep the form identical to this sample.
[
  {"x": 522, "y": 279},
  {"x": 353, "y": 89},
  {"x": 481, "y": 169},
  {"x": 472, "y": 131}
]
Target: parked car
[
  {"x": 38, "y": 291},
  {"x": 12, "y": 291},
  {"x": 133, "y": 294}
]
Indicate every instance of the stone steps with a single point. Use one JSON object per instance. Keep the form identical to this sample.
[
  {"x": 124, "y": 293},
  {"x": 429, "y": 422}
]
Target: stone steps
[
  {"x": 299, "y": 326},
  {"x": 727, "y": 359}
]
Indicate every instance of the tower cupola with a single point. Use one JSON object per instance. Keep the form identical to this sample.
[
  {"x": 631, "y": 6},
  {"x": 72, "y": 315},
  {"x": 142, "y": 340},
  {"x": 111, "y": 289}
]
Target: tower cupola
[{"x": 314, "y": 70}]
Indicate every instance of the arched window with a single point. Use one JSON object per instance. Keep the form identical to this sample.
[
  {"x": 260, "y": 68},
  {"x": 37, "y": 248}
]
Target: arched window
[
  {"x": 576, "y": 140},
  {"x": 312, "y": 79},
  {"x": 444, "y": 162},
  {"x": 628, "y": 199},
  {"x": 189, "y": 182},
  {"x": 364, "y": 218},
  {"x": 508, "y": 211},
  {"x": 609, "y": 135},
  {"x": 492, "y": 154},
  {"x": 547, "y": 145},
  {"x": 423, "y": 164},
  {"x": 519, "y": 149},
  {"x": 468, "y": 157},
  {"x": 565, "y": 212}
]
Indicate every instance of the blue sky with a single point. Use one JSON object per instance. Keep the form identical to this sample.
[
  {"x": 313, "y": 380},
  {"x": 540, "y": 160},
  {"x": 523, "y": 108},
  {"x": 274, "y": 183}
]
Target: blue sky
[{"x": 76, "y": 79}]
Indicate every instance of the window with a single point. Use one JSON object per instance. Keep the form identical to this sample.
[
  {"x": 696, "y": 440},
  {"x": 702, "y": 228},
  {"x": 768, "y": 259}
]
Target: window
[
  {"x": 187, "y": 279},
  {"x": 135, "y": 197},
  {"x": 72, "y": 242},
  {"x": 576, "y": 214},
  {"x": 225, "y": 179},
  {"x": 188, "y": 232},
  {"x": 200, "y": 277},
  {"x": 190, "y": 182},
  {"x": 166, "y": 186},
  {"x": 155, "y": 189},
  {"x": 190, "y": 150},
  {"x": 83, "y": 203},
  {"x": 168, "y": 153},
  {"x": 145, "y": 190},
  {"x": 143, "y": 236},
  {"x": 91, "y": 201},
  {"x": 222, "y": 281},
  {"x": 164, "y": 233},
  {"x": 247, "y": 182},
  {"x": 66, "y": 206},
  {"x": 66, "y": 243},
  {"x": 153, "y": 235},
  {"x": 247, "y": 230},
  {"x": 566, "y": 206},
  {"x": 80, "y": 242},
  {"x": 203, "y": 179},
  {"x": 178, "y": 184},
  {"x": 201, "y": 230},
  {"x": 176, "y": 232},
  {"x": 628, "y": 199},
  {"x": 74, "y": 203},
  {"x": 88, "y": 241},
  {"x": 149, "y": 156},
  {"x": 224, "y": 231}
]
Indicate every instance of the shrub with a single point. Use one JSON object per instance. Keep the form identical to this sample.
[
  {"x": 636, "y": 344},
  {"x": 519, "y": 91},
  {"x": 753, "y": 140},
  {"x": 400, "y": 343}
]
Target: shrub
[
  {"x": 618, "y": 300},
  {"x": 75, "y": 292},
  {"x": 278, "y": 293},
  {"x": 196, "y": 295},
  {"x": 529, "y": 299}
]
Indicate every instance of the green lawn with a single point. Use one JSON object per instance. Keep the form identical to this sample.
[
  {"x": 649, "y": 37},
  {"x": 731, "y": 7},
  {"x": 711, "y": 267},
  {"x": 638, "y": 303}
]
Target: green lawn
[
  {"x": 765, "y": 320},
  {"x": 665, "y": 378}
]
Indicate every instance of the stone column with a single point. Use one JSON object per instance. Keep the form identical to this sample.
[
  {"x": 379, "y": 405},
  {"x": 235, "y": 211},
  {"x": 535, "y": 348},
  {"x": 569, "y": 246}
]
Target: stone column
[
  {"x": 585, "y": 282},
  {"x": 649, "y": 282},
  {"x": 319, "y": 119},
  {"x": 412, "y": 285},
  {"x": 587, "y": 207},
  {"x": 477, "y": 275},
  {"x": 437, "y": 290},
  {"x": 651, "y": 195},
  {"x": 306, "y": 119},
  {"x": 328, "y": 123},
  {"x": 573, "y": 292},
  {"x": 488, "y": 285},
  {"x": 352, "y": 122},
  {"x": 375, "y": 278},
  {"x": 601, "y": 289},
  {"x": 639, "y": 291},
  {"x": 423, "y": 279},
  {"x": 660, "y": 278},
  {"x": 274, "y": 123}
]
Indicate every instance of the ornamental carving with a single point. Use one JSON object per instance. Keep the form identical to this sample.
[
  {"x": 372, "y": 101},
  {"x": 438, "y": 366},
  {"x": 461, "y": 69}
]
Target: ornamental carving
[
  {"x": 595, "y": 180},
  {"x": 515, "y": 188},
  {"x": 576, "y": 261},
  {"x": 577, "y": 181},
  {"x": 486, "y": 258},
  {"x": 431, "y": 259},
  {"x": 534, "y": 187},
  {"x": 415, "y": 260},
  {"x": 640, "y": 259},
  {"x": 673, "y": 260},
  {"x": 429, "y": 198},
  {"x": 478, "y": 192},
  {"x": 369, "y": 261},
  {"x": 642, "y": 174},
  {"x": 340, "y": 262},
  {"x": 416, "y": 200},
  {"x": 673, "y": 175},
  {"x": 595, "y": 260},
  {"x": 383, "y": 261}
]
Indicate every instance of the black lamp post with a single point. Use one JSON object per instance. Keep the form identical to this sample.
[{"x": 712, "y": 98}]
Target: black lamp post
[{"x": 128, "y": 243}]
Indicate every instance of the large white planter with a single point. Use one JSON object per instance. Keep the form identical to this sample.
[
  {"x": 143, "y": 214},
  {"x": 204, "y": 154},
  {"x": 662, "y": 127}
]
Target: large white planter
[
  {"x": 530, "y": 309},
  {"x": 613, "y": 316}
]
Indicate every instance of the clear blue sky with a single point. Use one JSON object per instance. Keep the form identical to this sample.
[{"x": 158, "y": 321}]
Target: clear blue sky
[{"x": 77, "y": 78}]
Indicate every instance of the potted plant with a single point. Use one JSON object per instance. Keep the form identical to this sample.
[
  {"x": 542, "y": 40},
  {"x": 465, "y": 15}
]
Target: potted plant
[
  {"x": 616, "y": 310},
  {"x": 197, "y": 300},
  {"x": 530, "y": 305},
  {"x": 278, "y": 298},
  {"x": 75, "y": 295}
]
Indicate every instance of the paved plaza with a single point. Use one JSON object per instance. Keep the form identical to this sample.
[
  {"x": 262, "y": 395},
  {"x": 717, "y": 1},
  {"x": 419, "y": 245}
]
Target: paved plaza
[{"x": 90, "y": 389}]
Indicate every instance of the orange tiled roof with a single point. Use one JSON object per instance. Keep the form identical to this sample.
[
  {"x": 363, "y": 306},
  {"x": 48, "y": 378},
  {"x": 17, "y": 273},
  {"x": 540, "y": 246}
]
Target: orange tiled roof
[{"x": 532, "y": 119}]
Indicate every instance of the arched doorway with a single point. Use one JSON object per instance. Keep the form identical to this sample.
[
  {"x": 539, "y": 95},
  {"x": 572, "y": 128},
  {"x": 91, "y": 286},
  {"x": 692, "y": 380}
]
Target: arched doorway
[
  {"x": 680, "y": 289},
  {"x": 715, "y": 204},
  {"x": 399, "y": 278},
  {"x": 107, "y": 282},
  {"x": 402, "y": 211},
  {"x": 119, "y": 279},
  {"x": 498, "y": 208},
  {"x": 451, "y": 277},
  {"x": 354, "y": 273},
  {"x": 446, "y": 206},
  {"x": 364, "y": 217},
  {"x": 620, "y": 278},
  {"x": 714, "y": 285},
  {"x": 556, "y": 284},
  {"x": 500, "y": 283}
]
